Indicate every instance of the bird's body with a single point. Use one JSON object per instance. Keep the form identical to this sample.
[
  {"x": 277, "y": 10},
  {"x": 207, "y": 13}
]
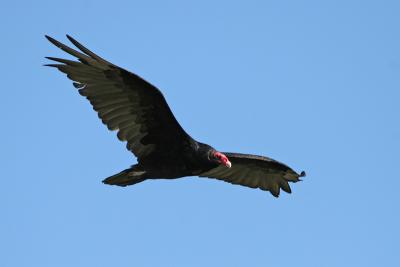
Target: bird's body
[
  {"x": 139, "y": 112},
  {"x": 188, "y": 163}
]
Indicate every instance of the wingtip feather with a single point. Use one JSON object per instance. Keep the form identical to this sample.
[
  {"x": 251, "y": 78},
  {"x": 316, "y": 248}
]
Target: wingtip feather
[
  {"x": 274, "y": 193},
  {"x": 284, "y": 185},
  {"x": 53, "y": 41},
  {"x": 70, "y": 38},
  {"x": 302, "y": 174},
  {"x": 52, "y": 65}
]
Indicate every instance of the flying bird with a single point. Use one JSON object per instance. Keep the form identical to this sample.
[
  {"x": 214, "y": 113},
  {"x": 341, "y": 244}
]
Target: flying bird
[{"x": 139, "y": 112}]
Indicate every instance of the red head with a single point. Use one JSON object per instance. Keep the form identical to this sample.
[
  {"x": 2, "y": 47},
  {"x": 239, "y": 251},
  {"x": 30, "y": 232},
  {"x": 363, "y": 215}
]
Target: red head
[{"x": 222, "y": 159}]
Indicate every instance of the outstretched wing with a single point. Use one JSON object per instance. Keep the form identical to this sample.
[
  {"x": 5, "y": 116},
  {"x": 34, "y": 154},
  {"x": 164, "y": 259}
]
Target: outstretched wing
[
  {"x": 124, "y": 102},
  {"x": 255, "y": 172}
]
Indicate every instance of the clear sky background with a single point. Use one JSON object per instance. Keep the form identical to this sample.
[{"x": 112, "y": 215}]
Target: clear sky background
[{"x": 314, "y": 84}]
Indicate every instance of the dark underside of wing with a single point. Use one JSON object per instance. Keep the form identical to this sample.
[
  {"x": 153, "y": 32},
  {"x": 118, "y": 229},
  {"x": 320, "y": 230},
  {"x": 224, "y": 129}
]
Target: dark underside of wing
[
  {"x": 124, "y": 102},
  {"x": 256, "y": 172}
]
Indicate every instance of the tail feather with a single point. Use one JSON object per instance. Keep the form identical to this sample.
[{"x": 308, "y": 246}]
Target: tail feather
[{"x": 126, "y": 177}]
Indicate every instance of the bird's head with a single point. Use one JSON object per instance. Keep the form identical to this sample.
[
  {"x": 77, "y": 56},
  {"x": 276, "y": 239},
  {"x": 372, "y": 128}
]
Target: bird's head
[{"x": 220, "y": 158}]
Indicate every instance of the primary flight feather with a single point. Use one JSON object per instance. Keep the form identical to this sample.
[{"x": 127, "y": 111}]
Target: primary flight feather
[{"x": 139, "y": 112}]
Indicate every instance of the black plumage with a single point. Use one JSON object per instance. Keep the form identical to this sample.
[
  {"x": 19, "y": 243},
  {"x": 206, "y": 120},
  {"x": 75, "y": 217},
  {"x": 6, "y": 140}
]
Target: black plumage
[{"x": 139, "y": 112}]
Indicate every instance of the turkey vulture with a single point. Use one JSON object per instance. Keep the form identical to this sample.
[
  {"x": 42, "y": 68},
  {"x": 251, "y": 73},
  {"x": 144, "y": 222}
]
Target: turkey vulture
[{"x": 139, "y": 112}]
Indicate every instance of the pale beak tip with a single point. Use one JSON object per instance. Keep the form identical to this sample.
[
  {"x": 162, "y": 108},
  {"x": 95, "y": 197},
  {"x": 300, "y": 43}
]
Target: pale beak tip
[{"x": 228, "y": 164}]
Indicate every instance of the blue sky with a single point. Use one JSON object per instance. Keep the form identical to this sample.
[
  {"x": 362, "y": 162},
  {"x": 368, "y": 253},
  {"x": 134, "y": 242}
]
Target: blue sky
[{"x": 314, "y": 84}]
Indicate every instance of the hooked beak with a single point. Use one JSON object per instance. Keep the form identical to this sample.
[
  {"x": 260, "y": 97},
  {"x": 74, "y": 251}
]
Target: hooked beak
[
  {"x": 223, "y": 160},
  {"x": 226, "y": 161},
  {"x": 228, "y": 164}
]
